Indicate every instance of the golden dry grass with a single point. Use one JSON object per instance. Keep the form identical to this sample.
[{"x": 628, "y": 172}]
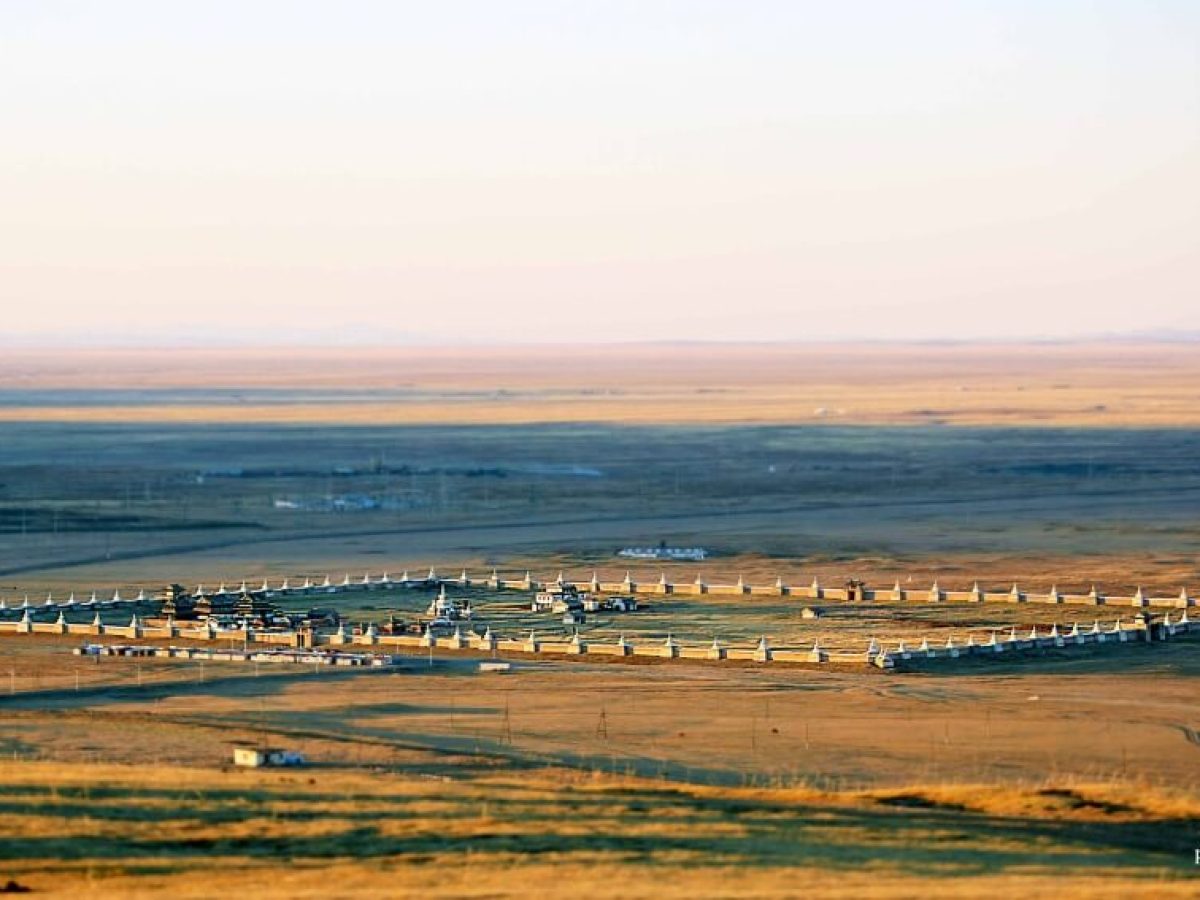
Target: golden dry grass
[
  {"x": 945, "y": 787},
  {"x": 1092, "y": 718},
  {"x": 978, "y": 785},
  {"x": 185, "y": 832},
  {"x": 1085, "y": 385}
]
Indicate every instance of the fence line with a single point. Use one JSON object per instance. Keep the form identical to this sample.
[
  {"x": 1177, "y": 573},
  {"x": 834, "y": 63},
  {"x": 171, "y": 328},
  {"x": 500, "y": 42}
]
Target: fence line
[
  {"x": 881, "y": 655},
  {"x": 628, "y": 585}
]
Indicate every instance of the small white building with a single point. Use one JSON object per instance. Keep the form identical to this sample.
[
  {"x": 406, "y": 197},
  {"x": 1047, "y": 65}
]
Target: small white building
[
  {"x": 558, "y": 599},
  {"x": 258, "y": 757},
  {"x": 679, "y": 554}
]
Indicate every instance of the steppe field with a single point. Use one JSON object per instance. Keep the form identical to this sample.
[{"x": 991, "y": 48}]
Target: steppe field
[{"x": 1046, "y": 465}]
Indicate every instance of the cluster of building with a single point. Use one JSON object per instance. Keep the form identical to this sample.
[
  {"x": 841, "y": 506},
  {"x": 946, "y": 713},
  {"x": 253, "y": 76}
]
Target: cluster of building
[
  {"x": 677, "y": 554},
  {"x": 574, "y": 604},
  {"x": 348, "y": 503},
  {"x": 237, "y": 609},
  {"x": 310, "y": 657}
]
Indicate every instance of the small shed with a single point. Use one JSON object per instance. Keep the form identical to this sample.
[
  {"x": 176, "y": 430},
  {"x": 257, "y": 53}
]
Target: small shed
[{"x": 258, "y": 757}]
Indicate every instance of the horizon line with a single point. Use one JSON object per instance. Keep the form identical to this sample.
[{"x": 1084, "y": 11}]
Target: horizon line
[{"x": 45, "y": 342}]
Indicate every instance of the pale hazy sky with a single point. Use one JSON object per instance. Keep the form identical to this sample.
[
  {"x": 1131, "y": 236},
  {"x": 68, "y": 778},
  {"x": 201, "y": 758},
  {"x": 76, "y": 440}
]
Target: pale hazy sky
[{"x": 510, "y": 170}]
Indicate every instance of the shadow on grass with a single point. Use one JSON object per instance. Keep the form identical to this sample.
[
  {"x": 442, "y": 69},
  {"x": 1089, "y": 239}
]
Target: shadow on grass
[
  {"x": 925, "y": 843},
  {"x": 1180, "y": 656},
  {"x": 920, "y": 838},
  {"x": 213, "y": 683}
]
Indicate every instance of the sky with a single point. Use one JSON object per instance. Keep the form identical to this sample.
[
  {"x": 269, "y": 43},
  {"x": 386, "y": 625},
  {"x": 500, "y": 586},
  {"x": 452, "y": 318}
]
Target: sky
[{"x": 443, "y": 172}]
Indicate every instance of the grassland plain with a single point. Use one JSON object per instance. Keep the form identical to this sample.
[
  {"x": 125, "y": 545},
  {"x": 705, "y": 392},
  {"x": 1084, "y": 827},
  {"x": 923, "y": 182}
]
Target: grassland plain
[
  {"x": 1064, "y": 466},
  {"x": 618, "y": 781},
  {"x": 1115, "y": 383},
  {"x": 234, "y": 497},
  {"x": 199, "y": 833}
]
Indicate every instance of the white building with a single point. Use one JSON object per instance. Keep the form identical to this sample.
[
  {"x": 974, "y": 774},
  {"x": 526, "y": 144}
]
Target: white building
[
  {"x": 258, "y": 757},
  {"x": 679, "y": 554}
]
